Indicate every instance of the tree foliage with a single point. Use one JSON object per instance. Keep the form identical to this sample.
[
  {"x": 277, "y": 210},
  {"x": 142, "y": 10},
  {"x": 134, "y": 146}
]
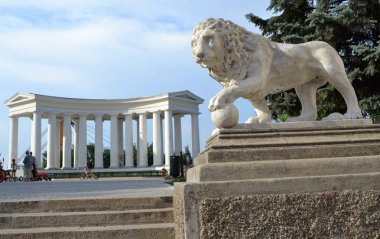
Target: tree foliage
[{"x": 351, "y": 26}]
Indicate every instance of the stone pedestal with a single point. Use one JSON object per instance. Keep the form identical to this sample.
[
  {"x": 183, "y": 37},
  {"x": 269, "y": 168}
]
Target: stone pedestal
[{"x": 309, "y": 179}]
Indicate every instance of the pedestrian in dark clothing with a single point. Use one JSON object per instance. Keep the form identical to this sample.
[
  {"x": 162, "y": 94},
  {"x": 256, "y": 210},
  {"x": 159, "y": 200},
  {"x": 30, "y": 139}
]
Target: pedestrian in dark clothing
[
  {"x": 34, "y": 165},
  {"x": 27, "y": 166}
]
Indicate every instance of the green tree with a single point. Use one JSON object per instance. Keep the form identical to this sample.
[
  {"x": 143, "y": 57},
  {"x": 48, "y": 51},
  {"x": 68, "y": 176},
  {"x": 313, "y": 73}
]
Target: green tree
[
  {"x": 187, "y": 154},
  {"x": 150, "y": 154},
  {"x": 351, "y": 26},
  {"x": 135, "y": 155},
  {"x": 106, "y": 157},
  {"x": 91, "y": 155}
]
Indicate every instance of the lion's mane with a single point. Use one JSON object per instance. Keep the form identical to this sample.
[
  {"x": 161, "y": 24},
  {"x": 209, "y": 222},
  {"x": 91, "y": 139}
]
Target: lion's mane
[{"x": 238, "y": 43}]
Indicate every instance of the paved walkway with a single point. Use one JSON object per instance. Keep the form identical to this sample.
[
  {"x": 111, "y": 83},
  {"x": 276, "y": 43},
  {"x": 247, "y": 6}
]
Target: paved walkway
[{"x": 75, "y": 188}]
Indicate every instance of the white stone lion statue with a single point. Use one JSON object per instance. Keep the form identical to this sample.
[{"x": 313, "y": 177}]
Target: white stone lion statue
[{"x": 250, "y": 66}]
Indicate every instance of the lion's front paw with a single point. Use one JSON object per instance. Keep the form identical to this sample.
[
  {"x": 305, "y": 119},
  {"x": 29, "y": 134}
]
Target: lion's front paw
[
  {"x": 353, "y": 115},
  {"x": 216, "y": 103},
  {"x": 212, "y": 107}
]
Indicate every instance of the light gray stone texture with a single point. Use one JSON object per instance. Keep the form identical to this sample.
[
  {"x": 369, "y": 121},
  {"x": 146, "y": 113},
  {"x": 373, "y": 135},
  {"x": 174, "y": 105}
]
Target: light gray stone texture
[
  {"x": 327, "y": 214},
  {"x": 193, "y": 194}
]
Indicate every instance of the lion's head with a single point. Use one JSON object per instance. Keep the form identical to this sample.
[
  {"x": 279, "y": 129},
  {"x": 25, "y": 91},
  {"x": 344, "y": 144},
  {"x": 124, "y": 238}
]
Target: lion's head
[{"x": 223, "y": 47}]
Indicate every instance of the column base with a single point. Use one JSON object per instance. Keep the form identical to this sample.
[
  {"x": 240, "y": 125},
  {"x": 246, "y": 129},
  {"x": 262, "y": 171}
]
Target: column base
[
  {"x": 114, "y": 167},
  {"x": 66, "y": 168},
  {"x": 54, "y": 168},
  {"x": 130, "y": 166}
]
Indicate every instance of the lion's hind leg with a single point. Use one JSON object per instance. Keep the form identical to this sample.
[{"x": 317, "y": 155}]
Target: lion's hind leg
[
  {"x": 336, "y": 76},
  {"x": 349, "y": 96},
  {"x": 307, "y": 96}
]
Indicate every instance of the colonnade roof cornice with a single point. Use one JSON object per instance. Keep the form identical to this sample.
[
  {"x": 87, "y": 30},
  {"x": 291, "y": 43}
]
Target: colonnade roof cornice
[
  {"x": 181, "y": 95},
  {"x": 26, "y": 104}
]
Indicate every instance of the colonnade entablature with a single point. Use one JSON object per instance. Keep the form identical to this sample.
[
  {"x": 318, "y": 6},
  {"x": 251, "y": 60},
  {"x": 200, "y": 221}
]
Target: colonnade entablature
[{"x": 61, "y": 113}]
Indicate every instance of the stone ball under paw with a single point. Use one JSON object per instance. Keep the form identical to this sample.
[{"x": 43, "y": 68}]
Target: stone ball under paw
[{"x": 225, "y": 118}]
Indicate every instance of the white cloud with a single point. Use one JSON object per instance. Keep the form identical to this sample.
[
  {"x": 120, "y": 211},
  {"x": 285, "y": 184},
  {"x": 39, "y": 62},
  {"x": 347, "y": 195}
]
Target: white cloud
[
  {"x": 99, "y": 44},
  {"x": 35, "y": 73}
]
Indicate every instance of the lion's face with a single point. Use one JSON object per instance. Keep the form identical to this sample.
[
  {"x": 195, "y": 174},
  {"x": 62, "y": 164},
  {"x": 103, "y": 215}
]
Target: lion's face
[{"x": 207, "y": 48}]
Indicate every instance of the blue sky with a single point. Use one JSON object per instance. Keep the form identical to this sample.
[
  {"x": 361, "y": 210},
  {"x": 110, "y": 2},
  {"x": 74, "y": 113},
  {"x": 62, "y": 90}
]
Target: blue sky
[{"x": 109, "y": 49}]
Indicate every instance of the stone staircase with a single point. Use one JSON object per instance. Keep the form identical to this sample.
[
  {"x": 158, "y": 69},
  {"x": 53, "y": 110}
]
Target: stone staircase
[
  {"x": 147, "y": 217},
  {"x": 292, "y": 180},
  {"x": 295, "y": 151}
]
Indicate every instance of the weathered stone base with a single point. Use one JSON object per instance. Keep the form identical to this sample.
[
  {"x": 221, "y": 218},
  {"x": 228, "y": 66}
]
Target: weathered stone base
[
  {"x": 194, "y": 203},
  {"x": 297, "y": 180},
  {"x": 332, "y": 214}
]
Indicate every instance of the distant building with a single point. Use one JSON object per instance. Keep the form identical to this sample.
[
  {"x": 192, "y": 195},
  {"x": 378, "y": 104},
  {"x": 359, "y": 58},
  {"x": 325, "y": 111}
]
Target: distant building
[{"x": 62, "y": 113}]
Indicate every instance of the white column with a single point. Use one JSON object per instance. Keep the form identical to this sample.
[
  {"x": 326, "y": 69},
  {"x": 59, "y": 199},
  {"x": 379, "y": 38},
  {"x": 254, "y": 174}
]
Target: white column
[
  {"x": 128, "y": 141},
  {"x": 76, "y": 146},
  {"x": 177, "y": 134},
  {"x": 58, "y": 144},
  {"x": 13, "y": 139},
  {"x": 114, "y": 143},
  {"x": 143, "y": 141},
  {"x": 99, "y": 141},
  {"x": 51, "y": 143},
  {"x": 157, "y": 139},
  {"x": 67, "y": 142},
  {"x": 137, "y": 143},
  {"x": 194, "y": 135},
  {"x": 120, "y": 146},
  {"x": 162, "y": 140},
  {"x": 32, "y": 135},
  {"x": 168, "y": 137},
  {"x": 36, "y": 138},
  {"x": 82, "y": 146}
]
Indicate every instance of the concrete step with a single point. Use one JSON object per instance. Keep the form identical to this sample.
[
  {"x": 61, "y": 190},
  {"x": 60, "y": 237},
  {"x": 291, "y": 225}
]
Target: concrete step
[
  {"x": 301, "y": 140},
  {"x": 81, "y": 205},
  {"x": 284, "y": 168},
  {"x": 94, "y": 218},
  {"x": 144, "y": 231},
  {"x": 295, "y": 137},
  {"x": 244, "y": 153}
]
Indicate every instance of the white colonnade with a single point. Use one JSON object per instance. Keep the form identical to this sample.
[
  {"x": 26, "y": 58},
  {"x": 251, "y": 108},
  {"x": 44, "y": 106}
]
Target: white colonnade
[{"x": 70, "y": 116}]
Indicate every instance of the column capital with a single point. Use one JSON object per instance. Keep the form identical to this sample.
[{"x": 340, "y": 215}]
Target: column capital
[
  {"x": 14, "y": 116},
  {"x": 52, "y": 113},
  {"x": 67, "y": 114},
  {"x": 38, "y": 112},
  {"x": 143, "y": 113},
  {"x": 113, "y": 114},
  {"x": 99, "y": 117},
  {"x": 83, "y": 114},
  {"x": 195, "y": 113}
]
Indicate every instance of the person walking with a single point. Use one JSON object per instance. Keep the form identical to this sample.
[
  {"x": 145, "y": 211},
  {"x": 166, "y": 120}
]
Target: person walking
[
  {"x": 14, "y": 169},
  {"x": 27, "y": 166},
  {"x": 34, "y": 165}
]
